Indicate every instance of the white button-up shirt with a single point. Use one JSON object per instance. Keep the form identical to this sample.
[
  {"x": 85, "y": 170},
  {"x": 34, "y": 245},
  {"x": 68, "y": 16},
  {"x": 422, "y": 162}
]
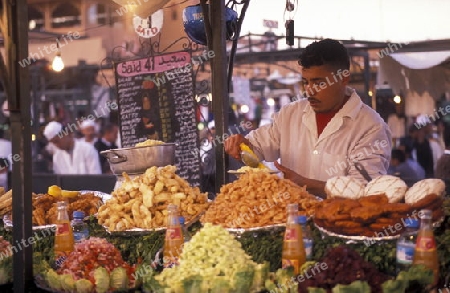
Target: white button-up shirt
[
  {"x": 83, "y": 160},
  {"x": 355, "y": 133}
]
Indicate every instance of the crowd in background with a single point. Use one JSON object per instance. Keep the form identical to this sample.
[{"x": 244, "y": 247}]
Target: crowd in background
[
  {"x": 422, "y": 152},
  {"x": 73, "y": 151}
]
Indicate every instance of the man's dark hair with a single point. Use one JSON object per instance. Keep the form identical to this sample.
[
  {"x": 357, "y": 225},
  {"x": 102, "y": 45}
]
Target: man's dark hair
[
  {"x": 399, "y": 155},
  {"x": 108, "y": 128},
  {"x": 325, "y": 52}
]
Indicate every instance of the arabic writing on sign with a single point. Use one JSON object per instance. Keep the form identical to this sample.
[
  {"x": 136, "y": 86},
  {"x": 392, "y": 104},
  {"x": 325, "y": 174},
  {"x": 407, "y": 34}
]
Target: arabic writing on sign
[
  {"x": 153, "y": 64},
  {"x": 172, "y": 101}
]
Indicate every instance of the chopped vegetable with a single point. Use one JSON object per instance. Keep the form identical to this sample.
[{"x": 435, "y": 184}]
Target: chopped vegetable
[
  {"x": 83, "y": 286},
  {"x": 101, "y": 277},
  {"x": 119, "y": 279},
  {"x": 67, "y": 282}
]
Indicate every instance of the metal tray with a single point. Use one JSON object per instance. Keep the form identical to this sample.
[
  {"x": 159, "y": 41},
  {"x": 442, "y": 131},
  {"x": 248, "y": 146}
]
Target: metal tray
[
  {"x": 142, "y": 232},
  {"x": 7, "y": 220},
  {"x": 366, "y": 238}
]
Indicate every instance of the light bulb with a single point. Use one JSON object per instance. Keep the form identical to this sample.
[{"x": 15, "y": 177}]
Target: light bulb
[
  {"x": 58, "y": 64},
  {"x": 270, "y": 102},
  {"x": 397, "y": 99},
  {"x": 245, "y": 109}
]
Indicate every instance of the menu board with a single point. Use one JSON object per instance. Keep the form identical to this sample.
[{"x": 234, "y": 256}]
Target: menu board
[{"x": 156, "y": 101}]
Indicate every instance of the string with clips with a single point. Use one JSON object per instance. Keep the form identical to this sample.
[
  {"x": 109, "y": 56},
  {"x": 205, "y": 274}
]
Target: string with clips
[{"x": 289, "y": 13}]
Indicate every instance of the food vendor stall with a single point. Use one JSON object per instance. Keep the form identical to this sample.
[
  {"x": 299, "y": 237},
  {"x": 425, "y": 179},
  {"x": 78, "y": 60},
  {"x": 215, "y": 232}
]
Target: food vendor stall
[{"x": 129, "y": 226}]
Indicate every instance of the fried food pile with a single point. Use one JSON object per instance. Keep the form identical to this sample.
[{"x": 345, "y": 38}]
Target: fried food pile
[
  {"x": 257, "y": 199},
  {"x": 45, "y": 210},
  {"x": 372, "y": 216},
  {"x": 5, "y": 202},
  {"x": 149, "y": 142},
  {"x": 142, "y": 202}
]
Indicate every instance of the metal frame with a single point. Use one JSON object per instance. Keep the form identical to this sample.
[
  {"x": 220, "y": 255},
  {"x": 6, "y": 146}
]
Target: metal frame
[{"x": 14, "y": 27}]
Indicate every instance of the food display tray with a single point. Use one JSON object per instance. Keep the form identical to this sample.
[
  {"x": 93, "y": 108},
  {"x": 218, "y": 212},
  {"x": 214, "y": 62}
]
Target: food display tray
[
  {"x": 8, "y": 224},
  {"x": 141, "y": 232},
  {"x": 365, "y": 238}
]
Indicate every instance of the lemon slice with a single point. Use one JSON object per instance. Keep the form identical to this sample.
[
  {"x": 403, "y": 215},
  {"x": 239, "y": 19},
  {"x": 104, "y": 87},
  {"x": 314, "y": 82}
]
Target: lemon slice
[
  {"x": 54, "y": 190},
  {"x": 69, "y": 193}
]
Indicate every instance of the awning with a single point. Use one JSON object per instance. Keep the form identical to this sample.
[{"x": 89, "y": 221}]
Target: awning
[{"x": 421, "y": 60}]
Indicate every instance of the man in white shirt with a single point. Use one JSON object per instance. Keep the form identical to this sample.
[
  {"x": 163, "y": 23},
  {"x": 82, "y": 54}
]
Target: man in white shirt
[
  {"x": 72, "y": 156},
  {"x": 322, "y": 136},
  {"x": 89, "y": 132}
]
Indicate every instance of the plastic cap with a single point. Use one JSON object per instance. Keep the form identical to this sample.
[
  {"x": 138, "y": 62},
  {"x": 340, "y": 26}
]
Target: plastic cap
[
  {"x": 302, "y": 219},
  {"x": 78, "y": 214},
  {"x": 412, "y": 223},
  {"x": 181, "y": 219}
]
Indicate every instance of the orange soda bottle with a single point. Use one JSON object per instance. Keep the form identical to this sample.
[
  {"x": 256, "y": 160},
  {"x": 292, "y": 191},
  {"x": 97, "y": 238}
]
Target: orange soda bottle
[
  {"x": 293, "y": 248},
  {"x": 174, "y": 240},
  {"x": 425, "y": 252},
  {"x": 64, "y": 242}
]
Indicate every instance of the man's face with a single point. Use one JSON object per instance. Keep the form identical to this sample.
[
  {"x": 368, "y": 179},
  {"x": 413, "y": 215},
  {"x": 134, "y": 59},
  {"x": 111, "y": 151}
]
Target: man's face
[
  {"x": 324, "y": 87},
  {"x": 111, "y": 136},
  {"x": 64, "y": 143},
  {"x": 88, "y": 132}
]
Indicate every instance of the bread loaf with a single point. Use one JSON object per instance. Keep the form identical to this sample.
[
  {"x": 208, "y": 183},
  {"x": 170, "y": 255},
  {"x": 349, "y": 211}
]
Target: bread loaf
[
  {"x": 423, "y": 188},
  {"x": 343, "y": 186},
  {"x": 394, "y": 187}
]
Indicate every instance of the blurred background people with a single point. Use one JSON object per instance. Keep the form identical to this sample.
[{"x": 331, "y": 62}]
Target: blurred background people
[
  {"x": 71, "y": 156},
  {"x": 208, "y": 158},
  {"x": 397, "y": 124},
  {"x": 88, "y": 130},
  {"x": 5, "y": 160},
  {"x": 407, "y": 169},
  {"x": 443, "y": 164},
  {"x": 107, "y": 142}
]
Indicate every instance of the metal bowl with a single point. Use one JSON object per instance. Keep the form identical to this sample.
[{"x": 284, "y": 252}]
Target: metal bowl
[{"x": 136, "y": 160}]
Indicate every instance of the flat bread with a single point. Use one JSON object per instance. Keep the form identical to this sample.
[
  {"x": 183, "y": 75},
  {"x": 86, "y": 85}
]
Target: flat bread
[
  {"x": 423, "y": 188},
  {"x": 394, "y": 187},
  {"x": 344, "y": 187}
]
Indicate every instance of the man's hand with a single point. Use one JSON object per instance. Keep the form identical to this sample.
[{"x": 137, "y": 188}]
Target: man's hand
[
  {"x": 232, "y": 143},
  {"x": 291, "y": 175},
  {"x": 313, "y": 186}
]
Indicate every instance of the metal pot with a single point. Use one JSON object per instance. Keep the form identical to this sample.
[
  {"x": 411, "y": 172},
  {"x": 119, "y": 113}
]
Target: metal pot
[{"x": 135, "y": 160}]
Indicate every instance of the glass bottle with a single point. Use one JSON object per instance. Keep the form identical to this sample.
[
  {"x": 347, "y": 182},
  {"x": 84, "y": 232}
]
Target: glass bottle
[
  {"x": 79, "y": 227},
  {"x": 186, "y": 234},
  {"x": 406, "y": 245},
  {"x": 64, "y": 242},
  {"x": 426, "y": 250},
  {"x": 173, "y": 242},
  {"x": 293, "y": 253},
  {"x": 308, "y": 240}
]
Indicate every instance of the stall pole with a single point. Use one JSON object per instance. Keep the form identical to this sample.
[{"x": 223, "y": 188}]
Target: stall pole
[
  {"x": 14, "y": 26},
  {"x": 220, "y": 103}
]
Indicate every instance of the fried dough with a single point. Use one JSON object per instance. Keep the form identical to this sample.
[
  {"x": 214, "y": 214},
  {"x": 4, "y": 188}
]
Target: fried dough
[
  {"x": 374, "y": 200},
  {"x": 366, "y": 214}
]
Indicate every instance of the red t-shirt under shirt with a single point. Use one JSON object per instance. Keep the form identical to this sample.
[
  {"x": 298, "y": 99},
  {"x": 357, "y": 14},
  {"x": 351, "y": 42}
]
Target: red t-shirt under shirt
[{"x": 322, "y": 119}]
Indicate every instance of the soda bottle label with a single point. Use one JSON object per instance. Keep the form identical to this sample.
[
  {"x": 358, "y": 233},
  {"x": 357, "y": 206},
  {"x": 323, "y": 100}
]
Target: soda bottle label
[
  {"x": 308, "y": 243},
  {"x": 290, "y": 234},
  {"x": 62, "y": 228},
  {"x": 60, "y": 258},
  {"x": 285, "y": 263},
  {"x": 425, "y": 243},
  {"x": 174, "y": 233},
  {"x": 405, "y": 253}
]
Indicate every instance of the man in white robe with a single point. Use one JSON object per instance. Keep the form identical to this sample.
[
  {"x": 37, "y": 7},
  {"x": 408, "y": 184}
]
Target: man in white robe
[{"x": 72, "y": 156}]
